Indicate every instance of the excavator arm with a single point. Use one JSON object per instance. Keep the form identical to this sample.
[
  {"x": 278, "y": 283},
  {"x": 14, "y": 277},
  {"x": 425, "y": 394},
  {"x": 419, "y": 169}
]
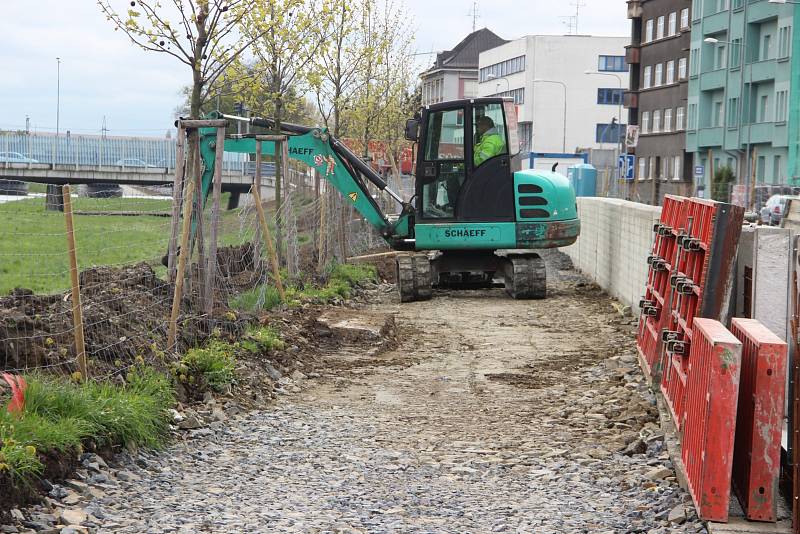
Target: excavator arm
[{"x": 337, "y": 164}]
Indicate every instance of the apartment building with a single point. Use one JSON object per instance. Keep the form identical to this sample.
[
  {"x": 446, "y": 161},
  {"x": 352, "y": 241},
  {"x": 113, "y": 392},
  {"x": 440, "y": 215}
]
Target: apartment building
[
  {"x": 568, "y": 89},
  {"x": 740, "y": 92},
  {"x": 454, "y": 75},
  {"x": 657, "y": 98}
]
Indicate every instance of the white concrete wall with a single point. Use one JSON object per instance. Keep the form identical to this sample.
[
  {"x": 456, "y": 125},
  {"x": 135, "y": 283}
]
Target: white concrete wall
[
  {"x": 616, "y": 238},
  {"x": 563, "y": 58}
]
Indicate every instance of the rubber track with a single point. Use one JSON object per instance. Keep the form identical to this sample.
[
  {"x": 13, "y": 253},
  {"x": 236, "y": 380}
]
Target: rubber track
[
  {"x": 414, "y": 277},
  {"x": 528, "y": 278}
]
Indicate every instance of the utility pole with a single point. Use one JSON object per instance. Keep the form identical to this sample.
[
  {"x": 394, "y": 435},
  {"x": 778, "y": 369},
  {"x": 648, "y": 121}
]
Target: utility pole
[{"x": 58, "y": 93}]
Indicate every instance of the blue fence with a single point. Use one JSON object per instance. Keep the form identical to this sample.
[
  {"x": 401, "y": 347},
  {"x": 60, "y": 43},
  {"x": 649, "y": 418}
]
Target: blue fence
[{"x": 101, "y": 150}]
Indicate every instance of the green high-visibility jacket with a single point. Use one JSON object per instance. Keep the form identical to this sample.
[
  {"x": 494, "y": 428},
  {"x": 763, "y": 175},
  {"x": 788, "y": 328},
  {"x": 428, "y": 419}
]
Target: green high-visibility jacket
[{"x": 490, "y": 145}]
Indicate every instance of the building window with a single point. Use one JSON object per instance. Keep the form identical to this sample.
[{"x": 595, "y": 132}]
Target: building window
[
  {"x": 517, "y": 94},
  {"x": 761, "y": 168},
  {"x": 609, "y": 133},
  {"x": 645, "y": 126},
  {"x": 737, "y": 4},
  {"x": 504, "y": 68},
  {"x": 525, "y": 136},
  {"x": 777, "y": 169},
  {"x": 723, "y": 5},
  {"x": 736, "y": 52},
  {"x": 657, "y": 121},
  {"x": 766, "y": 43},
  {"x": 648, "y": 31},
  {"x": 433, "y": 91},
  {"x": 682, "y": 68},
  {"x": 668, "y": 120},
  {"x": 673, "y": 23},
  {"x": 653, "y": 168},
  {"x": 660, "y": 28},
  {"x": 676, "y": 168},
  {"x": 670, "y": 72},
  {"x": 733, "y": 112},
  {"x": 719, "y": 57},
  {"x": 648, "y": 71},
  {"x": 642, "y": 169},
  {"x": 470, "y": 88},
  {"x": 781, "y": 98},
  {"x": 684, "y": 18},
  {"x": 784, "y": 41},
  {"x": 609, "y": 96},
  {"x": 612, "y": 64},
  {"x": 658, "y": 75},
  {"x": 694, "y": 61},
  {"x": 692, "y": 116},
  {"x": 680, "y": 118},
  {"x": 719, "y": 114},
  {"x": 763, "y": 110}
]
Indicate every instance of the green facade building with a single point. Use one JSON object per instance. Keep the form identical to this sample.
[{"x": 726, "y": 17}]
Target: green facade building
[{"x": 743, "y": 92}]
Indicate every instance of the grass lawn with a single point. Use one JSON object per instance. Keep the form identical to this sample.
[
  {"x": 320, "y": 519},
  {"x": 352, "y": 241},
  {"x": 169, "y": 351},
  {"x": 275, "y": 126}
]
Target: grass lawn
[{"x": 33, "y": 246}]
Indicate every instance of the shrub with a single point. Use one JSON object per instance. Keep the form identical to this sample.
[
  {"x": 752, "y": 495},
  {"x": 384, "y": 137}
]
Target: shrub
[
  {"x": 261, "y": 297},
  {"x": 259, "y": 339},
  {"x": 211, "y": 366}
]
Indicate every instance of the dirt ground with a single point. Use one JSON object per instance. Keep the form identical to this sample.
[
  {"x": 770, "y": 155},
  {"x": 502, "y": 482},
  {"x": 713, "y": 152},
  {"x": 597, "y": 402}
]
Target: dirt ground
[{"x": 471, "y": 412}]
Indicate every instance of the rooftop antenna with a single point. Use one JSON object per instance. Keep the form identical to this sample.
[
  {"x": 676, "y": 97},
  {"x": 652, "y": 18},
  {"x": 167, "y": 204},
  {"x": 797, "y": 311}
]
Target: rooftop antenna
[
  {"x": 578, "y": 4},
  {"x": 570, "y": 22},
  {"x": 475, "y": 14},
  {"x": 104, "y": 130}
]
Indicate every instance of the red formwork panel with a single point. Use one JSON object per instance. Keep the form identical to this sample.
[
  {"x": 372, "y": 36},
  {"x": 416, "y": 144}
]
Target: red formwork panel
[
  {"x": 705, "y": 258},
  {"x": 674, "y": 385},
  {"x": 757, "y": 450},
  {"x": 655, "y": 303},
  {"x": 709, "y": 427}
]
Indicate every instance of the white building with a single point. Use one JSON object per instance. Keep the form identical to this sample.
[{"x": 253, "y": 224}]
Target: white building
[
  {"x": 539, "y": 70},
  {"x": 454, "y": 75}
]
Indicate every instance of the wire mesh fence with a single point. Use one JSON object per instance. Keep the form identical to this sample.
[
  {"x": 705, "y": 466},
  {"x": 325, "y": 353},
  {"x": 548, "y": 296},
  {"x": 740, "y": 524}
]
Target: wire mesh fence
[{"x": 122, "y": 236}]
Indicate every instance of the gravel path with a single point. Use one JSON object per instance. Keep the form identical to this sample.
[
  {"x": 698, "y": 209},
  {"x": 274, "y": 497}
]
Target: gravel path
[{"x": 492, "y": 415}]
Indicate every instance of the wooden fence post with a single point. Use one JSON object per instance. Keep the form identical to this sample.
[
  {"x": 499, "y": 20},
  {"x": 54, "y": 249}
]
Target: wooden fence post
[
  {"x": 262, "y": 219},
  {"x": 177, "y": 200},
  {"x": 77, "y": 310},
  {"x": 211, "y": 271},
  {"x": 188, "y": 203}
]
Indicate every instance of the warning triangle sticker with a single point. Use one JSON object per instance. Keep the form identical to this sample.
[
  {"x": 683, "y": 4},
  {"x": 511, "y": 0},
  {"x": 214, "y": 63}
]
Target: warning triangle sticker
[{"x": 353, "y": 196}]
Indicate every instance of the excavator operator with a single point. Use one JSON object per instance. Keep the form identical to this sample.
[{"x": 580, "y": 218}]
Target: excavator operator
[{"x": 490, "y": 142}]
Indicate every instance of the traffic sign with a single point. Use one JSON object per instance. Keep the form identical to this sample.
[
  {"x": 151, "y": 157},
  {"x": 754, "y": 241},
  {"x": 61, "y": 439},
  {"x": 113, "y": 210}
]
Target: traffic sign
[
  {"x": 699, "y": 170},
  {"x": 627, "y": 163}
]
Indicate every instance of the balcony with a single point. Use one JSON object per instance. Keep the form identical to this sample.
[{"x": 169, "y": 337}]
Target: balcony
[
  {"x": 715, "y": 24},
  {"x": 634, "y": 9},
  {"x": 712, "y": 80},
  {"x": 709, "y": 137},
  {"x": 633, "y": 54},
  {"x": 760, "y": 132},
  {"x": 762, "y": 71},
  {"x": 631, "y": 99}
]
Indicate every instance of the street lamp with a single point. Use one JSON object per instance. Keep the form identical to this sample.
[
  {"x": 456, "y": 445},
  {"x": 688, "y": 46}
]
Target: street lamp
[
  {"x": 562, "y": 84},
  {"x": 782, "y": 2},
  {"x": 495, "y": 77},
  {"x": 619, "y": 112}
]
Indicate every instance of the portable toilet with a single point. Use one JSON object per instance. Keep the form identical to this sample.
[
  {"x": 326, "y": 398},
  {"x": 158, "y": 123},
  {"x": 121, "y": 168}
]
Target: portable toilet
[{"x": 583, "y": 179}]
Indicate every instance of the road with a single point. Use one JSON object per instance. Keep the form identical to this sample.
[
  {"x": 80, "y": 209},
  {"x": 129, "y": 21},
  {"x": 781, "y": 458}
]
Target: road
[{"x": 490, "y": 415}]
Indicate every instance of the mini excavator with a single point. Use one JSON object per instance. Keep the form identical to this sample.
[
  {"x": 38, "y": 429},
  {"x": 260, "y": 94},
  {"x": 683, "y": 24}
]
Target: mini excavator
[{"x": 474, "y": 217}]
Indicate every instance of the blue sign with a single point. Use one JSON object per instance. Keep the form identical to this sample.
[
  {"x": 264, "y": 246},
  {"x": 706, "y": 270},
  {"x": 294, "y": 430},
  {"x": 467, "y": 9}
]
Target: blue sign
[
  {"x": 699, "y": 170},
  {"x": 627, "y": 162}
]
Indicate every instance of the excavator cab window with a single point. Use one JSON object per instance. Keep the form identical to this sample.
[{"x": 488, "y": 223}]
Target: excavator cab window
[
  {"x": 445, "y": 165},
  {"x": 488, "y": 133}
]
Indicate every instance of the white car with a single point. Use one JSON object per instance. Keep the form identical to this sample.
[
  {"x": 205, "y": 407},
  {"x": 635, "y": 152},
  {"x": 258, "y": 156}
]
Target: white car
[
  {"x": 15, "y": 157},
  {"x": 133, "y": 162},
  {"x": 773, "y": 210}
]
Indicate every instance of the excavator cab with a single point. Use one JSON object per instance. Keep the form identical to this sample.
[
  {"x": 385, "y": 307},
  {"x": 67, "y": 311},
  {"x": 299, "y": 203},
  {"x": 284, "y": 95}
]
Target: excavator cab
[{"x": 465, "y": 160}]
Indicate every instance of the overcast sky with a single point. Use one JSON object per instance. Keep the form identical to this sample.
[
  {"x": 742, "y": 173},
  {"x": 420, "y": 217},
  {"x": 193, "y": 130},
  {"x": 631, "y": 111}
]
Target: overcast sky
[{"x": 103, "y": 74}]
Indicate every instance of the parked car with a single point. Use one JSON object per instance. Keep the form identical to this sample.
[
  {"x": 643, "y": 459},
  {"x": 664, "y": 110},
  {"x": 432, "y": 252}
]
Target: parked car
[
  {"x": 133, "y": 162},
  {"x": 15, "y": 157},
  {"x": 774, "y": 210}
]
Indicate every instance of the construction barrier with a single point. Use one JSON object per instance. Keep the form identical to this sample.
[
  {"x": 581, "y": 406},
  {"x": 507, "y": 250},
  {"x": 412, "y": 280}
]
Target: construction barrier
[
  {"x": 700, "y": 285},
  {"x": 658, "y": 291},
  {"x": 710, "y": 417},
  {"x": 757, "y": 452}
]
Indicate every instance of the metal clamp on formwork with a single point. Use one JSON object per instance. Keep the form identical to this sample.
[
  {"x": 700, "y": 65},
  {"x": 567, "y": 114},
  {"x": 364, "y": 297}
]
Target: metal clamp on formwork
[
  {"x": 676, "y": 346},
  {"x": 669, "y": 335},
  {"x": 650, "y": 311},
  {"x": 645, "y": 303},
  {"x": 675, "y": 279},
  {"x": 684, "y": 287},
  {"x": 691, "y": 244},
  {"x": 657, "y": 228}
]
